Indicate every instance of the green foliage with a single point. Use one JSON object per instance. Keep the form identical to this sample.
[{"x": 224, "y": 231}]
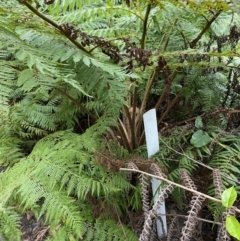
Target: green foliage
[
  {"x": 60, "y": 167},
  {"x": 227, "y": 159},
  {"x": 233, "y": 226},
  {"x": 10, "y": 224},
  {"x": 200, "y": 138},
  {"x": 75, "y": 78},
  {"x": 229, "y": 196}
]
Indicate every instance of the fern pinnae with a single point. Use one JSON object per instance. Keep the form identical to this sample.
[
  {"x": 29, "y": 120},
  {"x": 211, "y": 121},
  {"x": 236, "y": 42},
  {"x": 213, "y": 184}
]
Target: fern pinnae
[
  {"x": 195, "y": 204},
  {"x": 131, "y": 165},
  {"x": 189, "y": 225},
  {"x": 156, "y": 170},
  {"x": 145, "y": 193},
  {"x": 188, "y": 182},
  {"x": 171, "y": 228},
  {"x": 153, "y": 212},
  {"x": 217, "y": 181},
  {"x": 10, "y": 223}
]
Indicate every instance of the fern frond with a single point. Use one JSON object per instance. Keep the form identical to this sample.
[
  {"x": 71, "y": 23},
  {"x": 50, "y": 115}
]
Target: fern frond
[
  {"x": 45, "y": 179},
  {"x": 188, "y": 182},
  {"x": 105, "y": 230},
  {"x": 171, "y": 228},
  {"x": 227, "y": 161},
  {"x": 217, "y": 181},
  {"x": 145, "y": 193},
  {"x": 10, "y": 224},
  {"x": 131, "y": 165},
  {"x": 195, "y": 204},
  {"x": 153, "y": 212},
  {"x": 188, "y": 229}
]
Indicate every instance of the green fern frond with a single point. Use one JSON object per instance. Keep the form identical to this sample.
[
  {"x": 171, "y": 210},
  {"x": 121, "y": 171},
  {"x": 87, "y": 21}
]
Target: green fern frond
[
  {"x": 106, "y": 229},
  {"x": 45, "y": 179},
  {"x": 10, "y": 224},
  {"x": 9, "y": 143},
  {"x": 226, "y": 158}
]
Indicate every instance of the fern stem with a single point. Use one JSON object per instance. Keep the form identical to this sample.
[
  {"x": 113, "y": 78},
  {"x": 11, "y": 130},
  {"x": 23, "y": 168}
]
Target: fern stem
[
  {"x": 145, "y": 194},
  {"x": 46, "y": 19},
  {"x": 160, "y": 100},
  {"x": 196, "y": 206},
  {"x": 126, "y": 143},
  {"x": 144, "y": 33},
  {"x": 169, "y": 107},
  {"x": 147, "y": 91},
  {"x": 206, "y": 27},
  {"x": 163, "y": 115},
  {"x": 217, "y": 181},
  {"x": 167, "y": 36},
  {"x": 131, "y": 124},
  {"x": 134, "y": 105},
  {"x": 143, "y": 106}
]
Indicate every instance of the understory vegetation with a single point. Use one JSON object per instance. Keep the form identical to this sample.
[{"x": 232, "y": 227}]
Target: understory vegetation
[{"x": 76, "y": 77}]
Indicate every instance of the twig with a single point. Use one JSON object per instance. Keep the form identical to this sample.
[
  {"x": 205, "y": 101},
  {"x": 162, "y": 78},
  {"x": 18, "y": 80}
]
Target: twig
[
  {"x": 177, "y": 185},
  {"x": 185, "y": 216}
]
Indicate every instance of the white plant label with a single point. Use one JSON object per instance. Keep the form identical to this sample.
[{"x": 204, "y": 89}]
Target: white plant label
[{"x": 151, "y": 133}]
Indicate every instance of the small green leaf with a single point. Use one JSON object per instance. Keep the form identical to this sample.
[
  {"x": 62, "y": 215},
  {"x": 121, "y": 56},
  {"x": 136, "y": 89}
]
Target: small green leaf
[
  {"x": 75, "y": 85},
  {"x": 21, "y": 55},
  {"x": 206, "y": 150},
  {"x": 86, "y": 61},
  {"x": 233, "y": 227},
  {"x": 200, "y": 138},
  {"x": 228, "y": 197},
  {"x": 77, "y": 57},
  {"x": 30, "y": 61},
  {"x": 198, "y": 122}
]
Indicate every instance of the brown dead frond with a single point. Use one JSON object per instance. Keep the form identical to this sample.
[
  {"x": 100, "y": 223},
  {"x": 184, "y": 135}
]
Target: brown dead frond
[{"x": 195, "y": 204}]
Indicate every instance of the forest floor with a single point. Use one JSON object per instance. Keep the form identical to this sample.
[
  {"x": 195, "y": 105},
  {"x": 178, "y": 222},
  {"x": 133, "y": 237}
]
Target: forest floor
[{"x": 33, "y": 230}]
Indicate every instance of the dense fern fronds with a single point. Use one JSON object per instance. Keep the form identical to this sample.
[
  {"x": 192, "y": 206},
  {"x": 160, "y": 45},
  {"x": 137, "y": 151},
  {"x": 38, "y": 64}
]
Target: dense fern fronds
[
  {"x": 107, "y": 230},
  {"x": 46, "y": 181},
  {"x": 10, "y": 224},
  {"x": 53, "y": 74}
]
